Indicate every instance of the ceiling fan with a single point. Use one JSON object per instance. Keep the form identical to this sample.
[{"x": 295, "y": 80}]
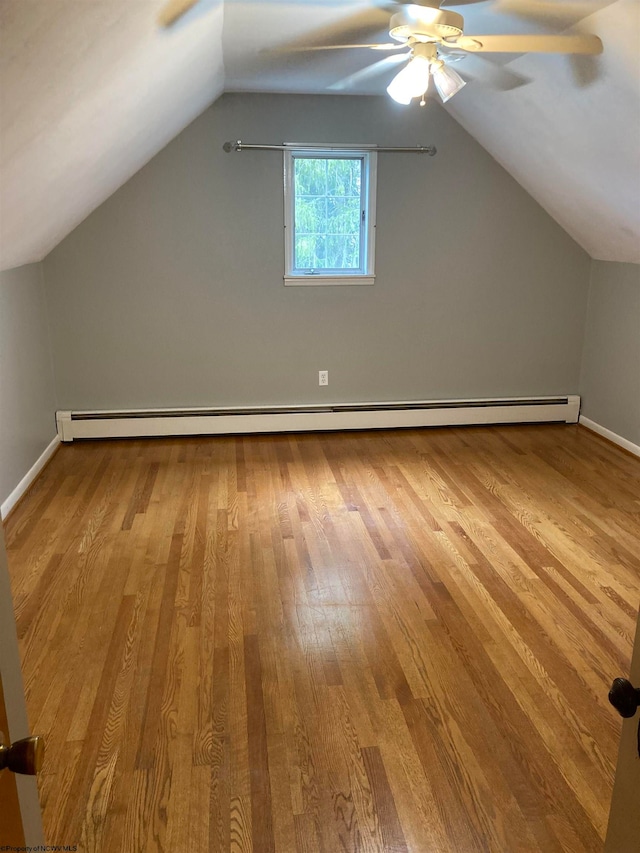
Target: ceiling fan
[{"x": 431, "y": 37}]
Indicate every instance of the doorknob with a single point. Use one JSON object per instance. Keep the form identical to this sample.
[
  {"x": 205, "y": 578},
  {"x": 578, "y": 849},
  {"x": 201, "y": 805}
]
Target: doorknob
[
  {"x": 24, "y": 756},
  {"x": 624, "y": 697}
]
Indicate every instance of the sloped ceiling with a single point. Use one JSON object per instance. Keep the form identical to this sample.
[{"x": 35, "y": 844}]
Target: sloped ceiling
[
  {"x": 90, "y": 90},
  {"x": 574, "y": 146}
]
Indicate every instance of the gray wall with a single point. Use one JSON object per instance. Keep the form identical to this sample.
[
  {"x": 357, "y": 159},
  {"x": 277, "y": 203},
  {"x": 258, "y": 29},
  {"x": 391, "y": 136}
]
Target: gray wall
[
  {"x": 171, "y": 292},
  {"x": 27, "y": 398},
  {"x": 610, "y": 380}
]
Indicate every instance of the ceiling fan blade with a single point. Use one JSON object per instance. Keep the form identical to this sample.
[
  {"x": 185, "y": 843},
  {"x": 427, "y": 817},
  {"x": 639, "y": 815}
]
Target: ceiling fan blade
[
  {"x": 302, "y": 48},
  {"x": 585, "y": 44},
  {"x": 173, "y": 10},
  {"x": 361, "y": 29},
  {"x": 370, "y": 71},
  {"x": 480, "y": 68}
]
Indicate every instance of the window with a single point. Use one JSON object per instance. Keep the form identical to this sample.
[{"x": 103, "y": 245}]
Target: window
[{"x": 329, "y": 216}]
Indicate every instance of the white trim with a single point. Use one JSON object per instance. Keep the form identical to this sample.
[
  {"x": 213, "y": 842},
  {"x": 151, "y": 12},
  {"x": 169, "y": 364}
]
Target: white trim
[
  {"x": 327, "y": 280},
  {"x": 612, "y": 436},
  {"x": 371, "y": 202},
  {"x": 366, "y": 274},
  {"x": 63, "y": 423},
  {"x": 338, "y": 416},
  {"x": 349, "y": 147},
  {"x": 29, "y": 477}
]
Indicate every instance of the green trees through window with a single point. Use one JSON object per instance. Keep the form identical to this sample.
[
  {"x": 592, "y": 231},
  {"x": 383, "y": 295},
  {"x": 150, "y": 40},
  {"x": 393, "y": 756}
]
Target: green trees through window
[{"x": 328, "y": 213}]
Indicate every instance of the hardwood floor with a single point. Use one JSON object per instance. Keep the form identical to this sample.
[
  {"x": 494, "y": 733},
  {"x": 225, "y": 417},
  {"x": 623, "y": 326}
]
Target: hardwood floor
[{"x": 387, "y": 641}]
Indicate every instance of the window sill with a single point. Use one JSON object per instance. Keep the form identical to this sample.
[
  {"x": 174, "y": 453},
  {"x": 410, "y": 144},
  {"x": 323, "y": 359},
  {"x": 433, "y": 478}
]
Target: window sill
[{"x": 327, "y": 280}]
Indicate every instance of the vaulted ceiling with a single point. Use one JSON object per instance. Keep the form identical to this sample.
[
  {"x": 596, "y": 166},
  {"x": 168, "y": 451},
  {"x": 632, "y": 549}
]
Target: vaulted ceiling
[{"x": 90, "y": 90}]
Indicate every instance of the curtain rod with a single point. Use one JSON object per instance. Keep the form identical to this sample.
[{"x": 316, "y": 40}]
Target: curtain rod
[{"x": 287, "y": 146}]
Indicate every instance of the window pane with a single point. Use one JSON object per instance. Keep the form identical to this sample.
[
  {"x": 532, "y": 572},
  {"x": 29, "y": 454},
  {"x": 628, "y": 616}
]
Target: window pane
[
  {"x": 310, "y": 251},
  {"x": 311, "y": 214},
  {"x": 310, "y": 176},
  {"x": 305, "y": 252},
  {"x": 327, "y": 213},
  {"x": 343, "y": 216},
  {"x": 343, "y": 252},
  {"x": 320, "y": 248},
  {"x": 344, "y": 177}
]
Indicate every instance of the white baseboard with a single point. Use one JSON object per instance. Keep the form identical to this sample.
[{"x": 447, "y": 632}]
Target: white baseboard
[
  {"x": 338, "y": 416},
  {"x": 612, "y": 436},
  {"x": 28, "y": 478}
]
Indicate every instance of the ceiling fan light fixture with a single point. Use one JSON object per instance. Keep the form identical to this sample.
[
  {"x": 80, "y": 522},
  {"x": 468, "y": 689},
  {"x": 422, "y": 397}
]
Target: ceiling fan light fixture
[
  {"x": 425, "y": 23},
  {"x": 447, "y": 81},
  {"x": 412, "y": 81}
]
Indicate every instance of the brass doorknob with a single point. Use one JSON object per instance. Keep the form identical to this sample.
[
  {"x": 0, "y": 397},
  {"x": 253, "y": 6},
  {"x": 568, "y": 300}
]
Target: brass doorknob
[{"x": 24, "y": 756}]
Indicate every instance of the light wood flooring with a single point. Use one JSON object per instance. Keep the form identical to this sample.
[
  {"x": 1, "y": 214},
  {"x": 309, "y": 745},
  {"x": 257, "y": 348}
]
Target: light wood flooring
[{"x": 384, "y": 641}]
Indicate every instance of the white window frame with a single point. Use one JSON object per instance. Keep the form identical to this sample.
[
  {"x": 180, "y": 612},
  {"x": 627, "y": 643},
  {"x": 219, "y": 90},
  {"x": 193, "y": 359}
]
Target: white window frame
[{"x": 366, "y": 273}]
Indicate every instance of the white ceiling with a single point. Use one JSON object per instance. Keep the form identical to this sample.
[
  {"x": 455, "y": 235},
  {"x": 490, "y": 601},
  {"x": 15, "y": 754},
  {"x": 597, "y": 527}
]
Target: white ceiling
[{"x": 90, "y": 90}]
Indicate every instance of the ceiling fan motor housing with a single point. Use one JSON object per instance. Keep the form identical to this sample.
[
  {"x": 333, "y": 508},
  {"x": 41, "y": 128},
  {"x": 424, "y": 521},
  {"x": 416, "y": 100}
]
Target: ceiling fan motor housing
[{"x": 425, "y": 24}]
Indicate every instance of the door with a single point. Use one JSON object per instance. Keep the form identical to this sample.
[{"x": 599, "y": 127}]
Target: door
[
  {"x": 20, "y": 820},
  {"x": 11, "y": 829},
  {"x": 623, "y": 834}
]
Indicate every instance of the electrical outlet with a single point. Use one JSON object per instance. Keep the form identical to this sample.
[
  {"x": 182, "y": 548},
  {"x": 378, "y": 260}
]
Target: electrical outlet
[{"x": 323, "y": 377}]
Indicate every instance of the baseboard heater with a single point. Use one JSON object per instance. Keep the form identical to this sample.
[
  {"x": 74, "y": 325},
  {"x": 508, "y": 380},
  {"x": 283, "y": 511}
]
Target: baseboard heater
[{"x": 138, "y": 423}]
